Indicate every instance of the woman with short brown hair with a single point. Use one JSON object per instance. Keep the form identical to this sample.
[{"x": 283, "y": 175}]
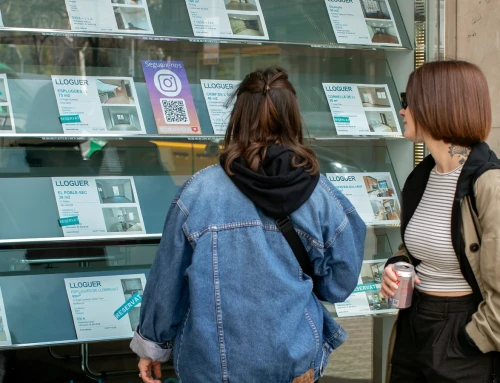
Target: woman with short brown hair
[{"x": 450, "y": 228}]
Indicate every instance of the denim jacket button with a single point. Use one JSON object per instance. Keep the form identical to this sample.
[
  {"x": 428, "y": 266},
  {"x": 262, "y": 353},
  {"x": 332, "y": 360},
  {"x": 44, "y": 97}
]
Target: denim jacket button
[{"x": 474, "y": 247}]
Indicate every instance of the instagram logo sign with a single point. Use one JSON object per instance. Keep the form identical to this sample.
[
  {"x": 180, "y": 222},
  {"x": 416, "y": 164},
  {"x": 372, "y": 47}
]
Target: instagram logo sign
[{"x": 167, "y": 83}]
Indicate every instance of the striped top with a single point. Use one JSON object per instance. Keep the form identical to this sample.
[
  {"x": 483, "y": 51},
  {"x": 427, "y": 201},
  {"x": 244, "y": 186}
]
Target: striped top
[{"x": 428, "y": 236}]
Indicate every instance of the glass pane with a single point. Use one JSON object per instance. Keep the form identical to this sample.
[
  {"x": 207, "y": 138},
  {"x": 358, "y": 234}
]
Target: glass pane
[
  {"x": 34, "y": 102},
  {"x": 296, "y": 21},
  {"x": 158, "y": 168}
]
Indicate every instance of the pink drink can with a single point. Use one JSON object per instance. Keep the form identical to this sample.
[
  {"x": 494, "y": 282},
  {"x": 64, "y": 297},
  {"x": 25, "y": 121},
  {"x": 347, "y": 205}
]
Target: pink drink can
[{"x": 406, "y": 281}]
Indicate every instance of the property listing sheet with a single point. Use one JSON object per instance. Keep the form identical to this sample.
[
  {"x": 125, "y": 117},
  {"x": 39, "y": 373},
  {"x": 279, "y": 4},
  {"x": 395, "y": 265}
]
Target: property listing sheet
[
  {"x": 362, "y": 109},
  {"x": 118, "y": 16},
  {"x": 217, "y": 94},
  {"x": 105, "y": 306},
  {"x": 366, "y": 298},
  {"x": 365, "y": 22},
  {"x": 98, "y": 206},
  {"x": 5, "y": 338},
  {"x": 227, "y": 18},
  {"x": 372, "y": 194},
  {"x": 98, "y": 105},
  {"x": 6, "y": 116}
]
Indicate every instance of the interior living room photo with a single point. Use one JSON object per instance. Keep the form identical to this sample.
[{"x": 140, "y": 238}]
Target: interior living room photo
[
  {"x": 115, "y": 191},
  {"x": 379, "y": 187},
  {"x": 376, "y": 9},
  {"x": 373, "y": 97},
  {"x": 382, "y": 32},
  {"x": 246, "y": 25},
  {"x": 381, "y": 122},
  {"x": 241, "y": 5}
]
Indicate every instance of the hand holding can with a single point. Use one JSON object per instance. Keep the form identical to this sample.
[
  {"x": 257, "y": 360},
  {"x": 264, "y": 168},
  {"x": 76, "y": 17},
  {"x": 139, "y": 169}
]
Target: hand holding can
[{"x": 406, "y": 282}]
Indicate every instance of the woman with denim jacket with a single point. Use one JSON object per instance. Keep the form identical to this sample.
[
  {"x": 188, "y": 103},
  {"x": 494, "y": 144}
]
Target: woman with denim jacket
[
  {"x": 450, "y": 228},
  {"x": 226, "y": 294}
]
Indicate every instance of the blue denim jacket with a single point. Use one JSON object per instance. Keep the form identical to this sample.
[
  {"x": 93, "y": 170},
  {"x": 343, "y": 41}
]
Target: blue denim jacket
[{"x": 227, "y": 287}]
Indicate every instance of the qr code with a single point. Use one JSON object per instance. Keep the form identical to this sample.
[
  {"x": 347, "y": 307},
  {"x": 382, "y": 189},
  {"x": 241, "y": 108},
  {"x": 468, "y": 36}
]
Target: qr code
[{"x": 175, "y": 111}]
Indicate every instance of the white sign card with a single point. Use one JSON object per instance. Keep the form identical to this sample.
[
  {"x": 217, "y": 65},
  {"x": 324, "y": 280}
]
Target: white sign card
[
  {"x": 362, "y": 109},
  {"x": 107, "y": 306},
  {"x": 365, "y": 22},
  {"x": 6, "y": 115},
  {"x": 367, "y": 297},
  {"x": 96, "y": 206},
  {"x": 372, "y": 194},
  {"x": 119, "y": 16},
  {"x": 228, "y": 18},
  {"x": 5, "y": 339},
  {"x": 98, "y": 105},
  {"x": 217, "y": 93}
]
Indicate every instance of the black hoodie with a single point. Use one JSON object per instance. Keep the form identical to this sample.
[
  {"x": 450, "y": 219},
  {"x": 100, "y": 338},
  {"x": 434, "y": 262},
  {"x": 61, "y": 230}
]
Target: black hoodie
[{"x": 276, "y": 187}]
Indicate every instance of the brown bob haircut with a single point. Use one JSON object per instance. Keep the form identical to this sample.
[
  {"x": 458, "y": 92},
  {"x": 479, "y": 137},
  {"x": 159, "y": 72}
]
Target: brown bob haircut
[
  {"x": 266, "y": 112},
  {"x": 449, "y": 100}
]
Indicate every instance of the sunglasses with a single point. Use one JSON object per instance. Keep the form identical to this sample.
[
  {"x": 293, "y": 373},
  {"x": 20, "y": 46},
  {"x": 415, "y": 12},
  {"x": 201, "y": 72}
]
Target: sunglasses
[{"x": 404, "y": 102}]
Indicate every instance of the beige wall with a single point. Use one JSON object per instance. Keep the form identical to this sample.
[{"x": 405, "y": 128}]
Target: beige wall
[{"x": 472, "y": 33}]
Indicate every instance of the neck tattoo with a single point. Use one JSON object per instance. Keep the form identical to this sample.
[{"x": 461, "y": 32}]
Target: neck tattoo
[{"x": 461, "y": 151}]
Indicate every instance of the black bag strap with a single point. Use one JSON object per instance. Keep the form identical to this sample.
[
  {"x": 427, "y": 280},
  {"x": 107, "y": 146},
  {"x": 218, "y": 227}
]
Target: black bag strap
[{"x": 293, "y": 239}]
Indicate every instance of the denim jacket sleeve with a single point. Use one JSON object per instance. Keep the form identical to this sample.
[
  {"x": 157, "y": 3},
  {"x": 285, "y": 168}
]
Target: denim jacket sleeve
[
  {"x": 166, "y": 295},
  {"x": 344, "y": 234}
]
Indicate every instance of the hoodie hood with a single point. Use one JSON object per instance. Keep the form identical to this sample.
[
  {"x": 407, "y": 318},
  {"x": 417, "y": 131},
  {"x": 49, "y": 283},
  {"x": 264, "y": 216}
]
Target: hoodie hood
[
  {"x": 276, "y": 187},
  {"x": 481, "y": 159}
]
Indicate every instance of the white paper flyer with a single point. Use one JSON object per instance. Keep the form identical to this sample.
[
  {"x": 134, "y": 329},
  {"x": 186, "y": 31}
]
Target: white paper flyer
[
  {"x": 228, "y": 18},
  {"x": 362, "y": 109},
  {"x": 6, "y": 117},
  {"x": 92, "y": 206},
  {"x": 105, "y": 307},
  {"x": 217, "y": 93},
  {"x": 98, "y": 105},
  {"x": 365, "y": 22},
  {"x": 122, "y": 16},
  {"x": 366, "y": 298},
  {"x": 372, "y": 194},
  {"x": 5, "y": 339}
]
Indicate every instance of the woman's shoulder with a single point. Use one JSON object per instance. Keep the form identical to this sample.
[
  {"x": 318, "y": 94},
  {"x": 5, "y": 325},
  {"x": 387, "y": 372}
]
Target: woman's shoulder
[{"x": 488, "y": 181}]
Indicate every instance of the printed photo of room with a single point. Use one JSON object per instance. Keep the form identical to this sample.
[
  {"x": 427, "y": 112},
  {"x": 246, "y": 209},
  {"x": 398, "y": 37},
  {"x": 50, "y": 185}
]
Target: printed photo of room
[
  {"x": 246, "y": 25},
  {"x": 373, "y": 97},
  {"x": 113, "y": 91},
  {"x": 131, "y": 19},
  {"x": 241, "y": 5},
  {"x": 121, "y": 118},
  {"x": 381, "y": 122},
  {"x": 122, "y": 219},
  {"x": 376, "y": 9},
  {"x": 376, "y": 301},
  {"x": 372, "y": 272},
  {"x": 379, "y": 187},
  {"x": 382, "y": 32},
  {"x": 115, "y": 191},
  {"x": 385, "y": 209}
]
